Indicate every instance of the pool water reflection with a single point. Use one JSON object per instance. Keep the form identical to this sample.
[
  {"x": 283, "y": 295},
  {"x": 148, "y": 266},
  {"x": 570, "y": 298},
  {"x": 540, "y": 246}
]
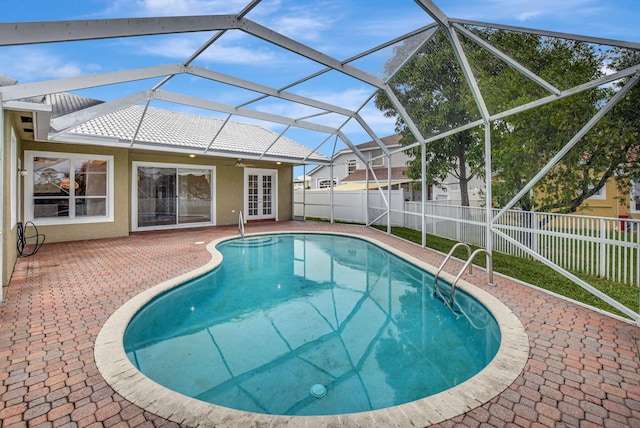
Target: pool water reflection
[{"x": 286, "y": 314}]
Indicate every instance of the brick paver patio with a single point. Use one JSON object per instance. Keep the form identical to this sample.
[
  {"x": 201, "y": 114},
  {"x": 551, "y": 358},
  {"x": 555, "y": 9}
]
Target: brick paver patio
[{"x": 583, "y": 367}]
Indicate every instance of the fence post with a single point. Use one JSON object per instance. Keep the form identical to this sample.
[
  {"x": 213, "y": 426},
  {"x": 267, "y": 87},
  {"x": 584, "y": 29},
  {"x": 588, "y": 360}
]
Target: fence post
[
  {"x": 535, "y": 242},
  {"x": 636, "y": 228},
  {"x": 602, "y": 247},
  {"x": 459, "y": 224}
]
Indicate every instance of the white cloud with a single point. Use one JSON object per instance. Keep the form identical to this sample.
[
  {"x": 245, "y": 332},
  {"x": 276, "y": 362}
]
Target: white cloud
[
  {"x": 527, "y": 15},
  {"x": 504, "y": 11},
  {"x": 301, "y": 27},
  {"x": 224, "y": 51},
  {"x": 28, "y": 64}
]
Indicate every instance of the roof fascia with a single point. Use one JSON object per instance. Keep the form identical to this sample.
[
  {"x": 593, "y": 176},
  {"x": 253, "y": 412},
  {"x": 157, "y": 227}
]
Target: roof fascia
[
  {"x": 27, "y": 90},
  {"x": 41, "y": 116},
  {"x": 25, "y": 33}
]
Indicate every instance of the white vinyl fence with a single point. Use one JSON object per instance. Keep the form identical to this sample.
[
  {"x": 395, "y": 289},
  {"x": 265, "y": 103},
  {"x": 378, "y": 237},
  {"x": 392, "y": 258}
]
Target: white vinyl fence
[
  {"x": 605, "y": 247},
  {"x": 600, "y": 246}
]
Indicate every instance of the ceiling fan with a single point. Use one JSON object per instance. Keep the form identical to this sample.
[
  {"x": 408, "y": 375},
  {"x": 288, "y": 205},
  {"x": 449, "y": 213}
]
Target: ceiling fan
[{"x": 240, "y": 164}]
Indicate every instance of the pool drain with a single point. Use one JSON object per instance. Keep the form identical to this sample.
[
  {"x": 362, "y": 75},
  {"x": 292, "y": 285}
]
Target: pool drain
[{"x": 318, "y": 390}]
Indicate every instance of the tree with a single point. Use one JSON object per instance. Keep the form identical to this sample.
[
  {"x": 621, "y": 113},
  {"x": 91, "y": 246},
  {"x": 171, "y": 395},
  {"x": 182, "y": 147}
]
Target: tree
[
  {"x": 524, "y": 143},
  {"x": 433, "y": 90}
]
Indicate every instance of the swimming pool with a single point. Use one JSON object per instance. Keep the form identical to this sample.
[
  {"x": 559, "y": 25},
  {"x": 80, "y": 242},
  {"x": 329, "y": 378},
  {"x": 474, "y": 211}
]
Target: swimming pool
[
  {"x": 308, "y": 324},
  {"x": 125, "y": 378}
]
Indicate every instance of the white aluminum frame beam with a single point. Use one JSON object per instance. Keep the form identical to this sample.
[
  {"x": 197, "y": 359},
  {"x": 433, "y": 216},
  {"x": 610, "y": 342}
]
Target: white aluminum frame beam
[
  {"x": 266, "y": 90},
  {"x": 544, "y": 33},
  {"x": 209, "y": 42},
  {"x": 25, "y": 33},
  {"x": 65, "y": 122},
  {"x": 274, "y": 142},
  {"x": 225, "y": 108},
  {"x": 534, "y": 104},
  {"x": 507, "y": 59},
  {"x": 581, "y": 133},
  {"x": 46, "y": 87},
  {"x": 215, "y": 137},
  {"x": 291, "y": 45}
]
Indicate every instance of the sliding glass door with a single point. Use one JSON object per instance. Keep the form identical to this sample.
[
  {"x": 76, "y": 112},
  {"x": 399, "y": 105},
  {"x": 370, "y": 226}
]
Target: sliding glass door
[{"x": 168, "y": 196}]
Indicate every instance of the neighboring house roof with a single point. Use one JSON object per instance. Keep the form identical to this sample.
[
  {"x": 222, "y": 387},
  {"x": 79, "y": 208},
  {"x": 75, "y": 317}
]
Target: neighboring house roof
[
  {"x": 6, "y": 80},
  {"x": 391, "y": 140},
  {"x": 397, "y": 174},
  {"x": 175, "y": 130}
]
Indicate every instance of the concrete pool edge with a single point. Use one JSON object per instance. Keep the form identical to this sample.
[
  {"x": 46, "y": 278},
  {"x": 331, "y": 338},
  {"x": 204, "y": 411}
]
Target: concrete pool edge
[{"x": 127, "y": 381}]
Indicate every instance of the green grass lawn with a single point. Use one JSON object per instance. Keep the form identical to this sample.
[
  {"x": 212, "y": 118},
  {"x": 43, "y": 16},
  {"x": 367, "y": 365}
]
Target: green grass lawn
[{"x": 536, "y": 273}]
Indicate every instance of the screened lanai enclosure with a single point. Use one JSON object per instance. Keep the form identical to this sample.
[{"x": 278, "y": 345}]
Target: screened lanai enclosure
[{"x": 544, "y": 120}]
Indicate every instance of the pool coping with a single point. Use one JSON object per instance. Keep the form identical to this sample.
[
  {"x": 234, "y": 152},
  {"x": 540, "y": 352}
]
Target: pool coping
[{"x": 131, "y": 384}]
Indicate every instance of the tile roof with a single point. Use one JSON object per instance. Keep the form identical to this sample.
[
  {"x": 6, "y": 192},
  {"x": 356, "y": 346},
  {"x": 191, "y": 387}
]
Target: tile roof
[
  {"x": 170, "y": 129},
  {"x": 173, "y": 130},
  {"x": 390, "y": 140},
  {"x": 65, "y": 103}
]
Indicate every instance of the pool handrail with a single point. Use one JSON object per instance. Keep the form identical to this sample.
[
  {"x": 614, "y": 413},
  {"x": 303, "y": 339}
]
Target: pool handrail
[
  {"x": 469, "y": 264},
  {"x": 446, "y": 259},
  {"x": 241, "y": 225}
]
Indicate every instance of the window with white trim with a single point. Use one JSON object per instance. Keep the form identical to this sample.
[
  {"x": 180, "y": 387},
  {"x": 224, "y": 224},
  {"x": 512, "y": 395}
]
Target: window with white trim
[
  {"x": 68, "y": 187},
  {"x": 325, "y": 183},
  {"x": 635, "y": 197},
  {"x": 600, "y": 195},
  {"x": 351, "y": 166},
  {"x": 377, "y": 158}
]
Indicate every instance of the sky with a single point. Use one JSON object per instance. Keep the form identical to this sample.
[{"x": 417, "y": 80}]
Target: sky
[{"x": 339, "y": 28}]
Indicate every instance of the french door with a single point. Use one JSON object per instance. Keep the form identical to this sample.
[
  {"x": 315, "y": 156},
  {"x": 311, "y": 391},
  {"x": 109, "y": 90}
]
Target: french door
[
  {"x": 172, "y": 195},
  {"x": 260, "y": 194}
]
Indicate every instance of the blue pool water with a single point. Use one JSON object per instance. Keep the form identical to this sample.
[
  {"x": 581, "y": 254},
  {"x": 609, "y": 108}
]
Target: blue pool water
[{"x": 306, "y": 324}]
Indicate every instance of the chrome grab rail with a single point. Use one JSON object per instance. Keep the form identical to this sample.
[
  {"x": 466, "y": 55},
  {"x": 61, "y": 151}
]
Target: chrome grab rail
[
  {"x": 469, "y": 264},
  {"x": 241, "y": 225},
  {"x": 446, "y": 259}
]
